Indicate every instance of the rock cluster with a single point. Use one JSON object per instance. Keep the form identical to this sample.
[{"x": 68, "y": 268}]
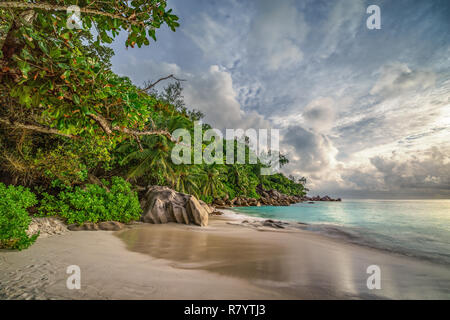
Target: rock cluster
[
  {"x": 268, "y": 223},
  {"x": 47, "y": 226},
  {"x": 318, "y": 198},
  {"x": 163, "y": 205},
  {"x": 267, "y": 198}
]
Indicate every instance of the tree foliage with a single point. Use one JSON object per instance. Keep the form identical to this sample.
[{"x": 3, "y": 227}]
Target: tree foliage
[
  {"x": 67, "y": 121},
  {"x": 14, "y": 218},
  {"x": 57, "y": 85}
]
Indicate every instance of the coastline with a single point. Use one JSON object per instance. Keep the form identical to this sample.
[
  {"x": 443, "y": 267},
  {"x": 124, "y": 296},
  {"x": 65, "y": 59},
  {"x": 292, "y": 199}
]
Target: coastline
[
  {"x": 221, "y": 261},
  {"x": 361, "y": 235}
]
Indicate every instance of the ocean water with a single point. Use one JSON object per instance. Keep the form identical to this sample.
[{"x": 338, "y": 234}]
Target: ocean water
[{"x": 419, "y": 228}]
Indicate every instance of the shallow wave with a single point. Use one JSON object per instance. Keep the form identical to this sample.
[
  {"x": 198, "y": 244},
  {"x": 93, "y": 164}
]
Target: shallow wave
[
  {"x": 233, "y": 215},
  {"x": 355, "y": 235},
  {"x": 367, "y": 238}
]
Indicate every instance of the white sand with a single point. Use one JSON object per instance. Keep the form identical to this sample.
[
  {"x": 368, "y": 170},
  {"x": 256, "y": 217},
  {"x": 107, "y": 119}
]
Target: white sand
[{"x": 221, "y": 261}]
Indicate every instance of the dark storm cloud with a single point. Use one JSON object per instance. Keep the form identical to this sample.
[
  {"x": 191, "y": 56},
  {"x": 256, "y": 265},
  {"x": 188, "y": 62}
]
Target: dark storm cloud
[
  {"x": 313, "y": 149},
  {"x": 433, "y": 172}
]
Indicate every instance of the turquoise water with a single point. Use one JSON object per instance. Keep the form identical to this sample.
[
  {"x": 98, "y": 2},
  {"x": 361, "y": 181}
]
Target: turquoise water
[{"x": 419, "y": 228}]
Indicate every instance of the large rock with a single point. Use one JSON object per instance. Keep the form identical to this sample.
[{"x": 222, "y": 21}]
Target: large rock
[
  {"x": 197, "y": 211},
  {"x": 179, "y": 213},
  {"x": 208, "y": 208},
  {"x": 163, "y": 205}
]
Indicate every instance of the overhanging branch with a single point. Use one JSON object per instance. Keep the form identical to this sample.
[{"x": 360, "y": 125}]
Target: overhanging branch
[
  {"x": 50, "y": 7},
  {"x": 19, "y": 125},
  {"x": 104, "y": 124},
  {"x": 151, "y": 85}
]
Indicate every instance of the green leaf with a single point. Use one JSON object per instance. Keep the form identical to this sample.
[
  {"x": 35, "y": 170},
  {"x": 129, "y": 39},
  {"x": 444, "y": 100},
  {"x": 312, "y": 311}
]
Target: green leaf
[
  {"x": 43, "y": 46},
  {"x": 55, "y": 53},
  {"x": 24, "y": 68},
  {"x": 26, "y": 54}
]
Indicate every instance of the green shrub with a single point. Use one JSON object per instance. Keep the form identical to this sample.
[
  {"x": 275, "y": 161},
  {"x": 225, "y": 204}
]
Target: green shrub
[
  {"x": 207, "y": 199},
  {"x": 283, "y": 184},
  {"x": 94, "y": 203},
  {"x": 14, "y": 218}
]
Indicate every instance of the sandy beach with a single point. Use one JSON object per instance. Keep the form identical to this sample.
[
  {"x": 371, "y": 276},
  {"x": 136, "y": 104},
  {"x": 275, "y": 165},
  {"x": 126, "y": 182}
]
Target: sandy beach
[{"x": 222, "y": 261}]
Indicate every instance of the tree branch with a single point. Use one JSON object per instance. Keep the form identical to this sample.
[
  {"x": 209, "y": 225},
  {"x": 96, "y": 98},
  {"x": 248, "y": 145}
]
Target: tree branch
[
  {"x": 151, "y": 85},
  {"x": 102, "y": 122},
  {"x": 144, "y": 133},
  {"x": 19, "y": 125},
  {"x": 50, "y": 7},
  {"x": 106, "y": 126}
]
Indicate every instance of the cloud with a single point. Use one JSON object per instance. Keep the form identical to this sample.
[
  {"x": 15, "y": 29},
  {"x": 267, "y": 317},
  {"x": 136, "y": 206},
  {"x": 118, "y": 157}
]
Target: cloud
[
  {"x": 430, "y": 172},
  {"x": 398, "y": 78},
  {"x": 341, "y": 26},
  {"x": 362, "y": 133},
  {"x": 320, "y": 114},
  {"x": 309, "y": 151},
  {"x": 216, "y": 39},
  {"x": 362, "y": 179},
  {"x": 275, "y": 33},
  {"x": 212, "y": 92},
  {"x": 212, "y": 34},
  {"x": 146, "y": 70},
  {"x": 209, "y": 91},
  {"x": 423, "y": 174}
]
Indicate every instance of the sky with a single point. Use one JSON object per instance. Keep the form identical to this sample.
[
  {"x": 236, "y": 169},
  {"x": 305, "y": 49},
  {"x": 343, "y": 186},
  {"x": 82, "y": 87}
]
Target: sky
[{"x": 362, "y": 113}]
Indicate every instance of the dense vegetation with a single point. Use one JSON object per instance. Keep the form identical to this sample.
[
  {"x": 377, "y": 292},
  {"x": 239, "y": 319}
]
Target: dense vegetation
[
  {"x": 70, "y": 127},
  {"x": 113, "y": 201},
  {"x": 14, "y": 218}
]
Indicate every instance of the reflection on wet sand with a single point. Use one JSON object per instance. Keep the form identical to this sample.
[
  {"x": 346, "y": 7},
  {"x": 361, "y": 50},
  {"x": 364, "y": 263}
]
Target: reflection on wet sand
[
  {"x": 231, "y": 256},
  {"x": 289, "y": 264}
]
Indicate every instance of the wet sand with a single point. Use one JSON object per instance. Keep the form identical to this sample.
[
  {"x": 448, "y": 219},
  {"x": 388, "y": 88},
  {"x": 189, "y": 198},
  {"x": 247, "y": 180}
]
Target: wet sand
[{"x": 221, "y": 261}]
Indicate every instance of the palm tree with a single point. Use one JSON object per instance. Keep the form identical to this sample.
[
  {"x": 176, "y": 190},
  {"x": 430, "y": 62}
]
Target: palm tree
[
  {"x": 187, "y": 179},
  {"x": 153, "y": 159},
  {"x": 211, "y": 180},
  {"x": 176, "y": 122}
]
